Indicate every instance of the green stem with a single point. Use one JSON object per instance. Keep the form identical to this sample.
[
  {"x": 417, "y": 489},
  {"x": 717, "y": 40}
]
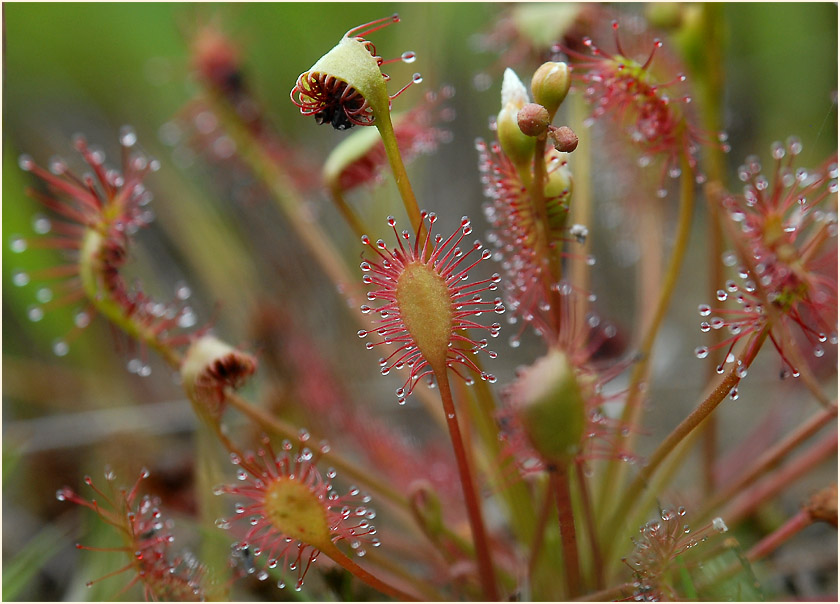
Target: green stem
[
  {"x": 215, "y": 544},
  {"x": 482, "y": 544},
  {"x": 715, "y": 245},
  {"x": 539, "y": 533},
  {"x": 552, "y": 270},
  {"x": 516, "y": 495},
  {"x": 350, "y": 216},
  {"x": 559, "y": 484},
  {"x": 350, "y": 565},
  {"x": 651, "y": 238},
  {"x": 392, "y": 150},
  {"x": 633, "y": 408},
  {"x": 591, "y": 528},
  {"x": 709, "y": 431},
  {"x": 710, "y": 79}
]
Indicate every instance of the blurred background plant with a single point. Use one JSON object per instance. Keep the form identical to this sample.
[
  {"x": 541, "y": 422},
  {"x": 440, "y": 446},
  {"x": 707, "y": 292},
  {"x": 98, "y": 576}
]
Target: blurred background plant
[{"x": 223, "y": 246}]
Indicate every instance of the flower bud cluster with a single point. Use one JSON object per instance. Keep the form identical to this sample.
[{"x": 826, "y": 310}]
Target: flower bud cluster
[
  {"x": 520, "y": 120},
  {"x": 529, "y": 221}
]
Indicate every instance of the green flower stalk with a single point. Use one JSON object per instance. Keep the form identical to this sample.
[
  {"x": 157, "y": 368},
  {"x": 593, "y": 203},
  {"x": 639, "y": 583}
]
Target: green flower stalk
[
  {"x": 530, "y": 187},
  {"x": 360, "y": 160},
  {"x": 552, "y": 410}
]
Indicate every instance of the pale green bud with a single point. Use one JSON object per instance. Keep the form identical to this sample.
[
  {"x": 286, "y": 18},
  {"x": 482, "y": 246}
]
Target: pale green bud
[
  {"x": 550, "y": 85},
  {"x": 551, "y": 407},
  {"x": 559, "y": 183},
  {"x": 516, "y": 145}
]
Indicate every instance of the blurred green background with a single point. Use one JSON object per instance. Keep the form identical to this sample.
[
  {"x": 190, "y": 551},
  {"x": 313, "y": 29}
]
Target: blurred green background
[{"x": 92, "y": 67}]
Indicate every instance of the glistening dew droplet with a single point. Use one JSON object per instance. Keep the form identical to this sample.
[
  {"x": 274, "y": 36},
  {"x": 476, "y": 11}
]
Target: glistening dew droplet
[
  {"x": 44, "y": 295},
  {"x": 20, "y": 278},
  {"x": 17, "y": 244},
  {"x": 60, "y": 348}
]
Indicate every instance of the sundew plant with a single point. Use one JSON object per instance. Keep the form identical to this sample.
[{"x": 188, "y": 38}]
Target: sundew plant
[{"x": 420, "y": 302}]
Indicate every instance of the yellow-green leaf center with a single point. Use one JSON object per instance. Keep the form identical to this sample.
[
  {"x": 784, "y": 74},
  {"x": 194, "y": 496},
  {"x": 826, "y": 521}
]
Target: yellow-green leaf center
[
  {"x": 426, "y": 311},
  {"x": 295, "y": 510}
]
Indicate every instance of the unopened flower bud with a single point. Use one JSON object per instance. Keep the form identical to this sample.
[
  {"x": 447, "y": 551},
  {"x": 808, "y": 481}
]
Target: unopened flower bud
[
  {"x": 210, "y": 366},
  {"x": 516, "y": 145},
  {"x": 533, "y": 119},
  {"x": 349, "y": 151},
  {"x": 550, "y": 85},
  {"x": 563, "y": 138},
  {"x": 551, "y": 407},
  {"x": 513, "y": 90},
  {"x": 425, "y": 507}
]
